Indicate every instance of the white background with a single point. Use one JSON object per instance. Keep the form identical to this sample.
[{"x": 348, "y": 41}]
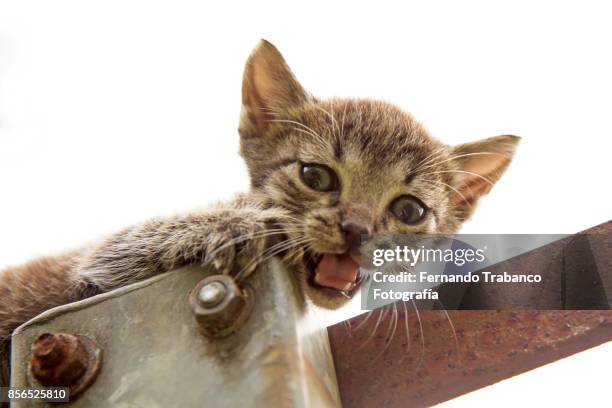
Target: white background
[{"x": 112, "y": 112}]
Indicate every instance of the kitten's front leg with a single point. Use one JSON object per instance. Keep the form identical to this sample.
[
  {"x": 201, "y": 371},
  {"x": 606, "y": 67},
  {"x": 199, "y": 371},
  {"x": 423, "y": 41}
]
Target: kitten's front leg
[{"x": 232, "y": 240}]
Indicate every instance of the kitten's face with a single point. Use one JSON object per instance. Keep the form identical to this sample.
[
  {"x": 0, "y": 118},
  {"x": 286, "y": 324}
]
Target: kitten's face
[{"x": 351, "y": 169}]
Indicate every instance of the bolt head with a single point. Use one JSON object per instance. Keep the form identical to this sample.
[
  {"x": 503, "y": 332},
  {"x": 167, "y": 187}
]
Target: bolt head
[
  {"x": 47, "y": 350},
  {"x": 64, "y": 360},
  {"x": 219, "y": 305},
  {"x": 44, "y": 345},
  {"x": 212, "y": 294}
]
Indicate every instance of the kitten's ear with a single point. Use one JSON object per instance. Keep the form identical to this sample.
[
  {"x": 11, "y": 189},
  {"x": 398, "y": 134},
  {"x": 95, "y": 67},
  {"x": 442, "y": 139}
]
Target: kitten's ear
[
  {"x": 479, "y": 165},
  {"x": 268, "y": 89}
]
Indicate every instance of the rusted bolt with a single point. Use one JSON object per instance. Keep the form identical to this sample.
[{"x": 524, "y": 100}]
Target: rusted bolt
[
  {"x": 47, "y": 350},
  {"x": 64, "y": 360},
  {"x": 220, "y": 306}
]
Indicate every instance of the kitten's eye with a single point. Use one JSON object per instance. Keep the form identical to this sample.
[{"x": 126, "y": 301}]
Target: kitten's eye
[
  {"x": 408, "y": 209},
  {"x": 319, "y": 177}
]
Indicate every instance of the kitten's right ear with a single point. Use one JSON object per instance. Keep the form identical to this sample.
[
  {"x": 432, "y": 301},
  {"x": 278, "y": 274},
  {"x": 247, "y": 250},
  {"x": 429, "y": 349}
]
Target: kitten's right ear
[{"x": 269, "y": 88}]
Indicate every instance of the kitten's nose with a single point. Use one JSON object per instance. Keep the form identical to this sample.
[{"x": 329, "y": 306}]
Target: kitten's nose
[{"x": 355, "y": 233}]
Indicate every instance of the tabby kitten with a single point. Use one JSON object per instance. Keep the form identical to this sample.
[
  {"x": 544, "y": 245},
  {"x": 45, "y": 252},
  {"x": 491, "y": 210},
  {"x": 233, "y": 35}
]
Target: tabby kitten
[{"x": 324, "y": 174}]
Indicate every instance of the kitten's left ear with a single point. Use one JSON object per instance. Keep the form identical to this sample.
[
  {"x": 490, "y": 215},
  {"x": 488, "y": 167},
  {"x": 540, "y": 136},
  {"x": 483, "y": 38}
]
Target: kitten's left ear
[
  {"x": 479, "y": 165},
  {"x": 269, "y": 88}
]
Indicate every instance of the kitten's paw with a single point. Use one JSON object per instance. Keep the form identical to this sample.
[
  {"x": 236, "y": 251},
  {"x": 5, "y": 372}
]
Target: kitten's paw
[{"x": 238, "y": 249}]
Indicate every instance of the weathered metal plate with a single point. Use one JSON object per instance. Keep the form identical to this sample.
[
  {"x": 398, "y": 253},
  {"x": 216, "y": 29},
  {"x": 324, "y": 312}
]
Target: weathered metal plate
[{"x": 155, "y": 356}]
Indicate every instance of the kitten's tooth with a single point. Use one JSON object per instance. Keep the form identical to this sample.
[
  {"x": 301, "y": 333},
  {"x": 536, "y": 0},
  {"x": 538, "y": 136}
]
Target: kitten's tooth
[
  {"x": 317, "y": 279},
  {"x": 348, "y": 287}
]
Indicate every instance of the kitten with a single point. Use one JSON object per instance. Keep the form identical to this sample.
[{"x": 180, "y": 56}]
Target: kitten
[{"x": 324, "y": 174}]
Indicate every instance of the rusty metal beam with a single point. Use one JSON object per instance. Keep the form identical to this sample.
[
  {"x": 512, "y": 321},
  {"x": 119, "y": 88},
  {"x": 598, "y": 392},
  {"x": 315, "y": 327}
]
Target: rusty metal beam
[
  {"x": 448, "y": 354},
  {"x": 432, "y": 367}
]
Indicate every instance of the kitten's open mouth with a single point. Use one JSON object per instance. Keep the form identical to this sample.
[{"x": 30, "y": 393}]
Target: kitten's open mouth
[{"x": 334, "y": 274}]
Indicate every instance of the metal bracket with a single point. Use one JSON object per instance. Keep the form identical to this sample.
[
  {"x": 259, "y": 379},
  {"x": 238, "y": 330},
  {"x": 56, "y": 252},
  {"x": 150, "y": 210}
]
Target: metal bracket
[{"x": 156, "y": 356}]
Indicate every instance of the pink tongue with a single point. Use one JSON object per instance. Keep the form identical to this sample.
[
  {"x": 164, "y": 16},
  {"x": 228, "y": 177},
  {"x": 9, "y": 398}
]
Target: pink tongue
[{"x": 336, "y": 271}]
